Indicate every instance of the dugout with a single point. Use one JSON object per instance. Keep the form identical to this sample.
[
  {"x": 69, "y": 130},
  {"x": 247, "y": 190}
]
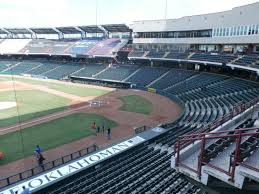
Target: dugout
[{"x": 100, "y": 82}]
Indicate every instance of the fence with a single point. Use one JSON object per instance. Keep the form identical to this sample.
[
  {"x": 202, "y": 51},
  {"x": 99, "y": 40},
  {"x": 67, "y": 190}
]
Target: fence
[
  {"x": 47, "y": 166},
  {"x": 233, "y": 136},
  {"x": 235, "y": 111},
  {"x": 187, "y": 140},
  {"x": 141, "y": 129}
]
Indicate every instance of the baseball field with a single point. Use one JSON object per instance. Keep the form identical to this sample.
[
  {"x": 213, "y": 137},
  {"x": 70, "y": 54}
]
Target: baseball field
[
  {"x": 59, "y": 115},
  {"x": 23, "y": 100}
]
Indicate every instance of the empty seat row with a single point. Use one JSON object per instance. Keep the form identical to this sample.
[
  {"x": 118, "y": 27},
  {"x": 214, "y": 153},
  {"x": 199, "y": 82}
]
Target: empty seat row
[
  {"x": 213, "y": 57},
  {"x": 118, "y": 72},
  {"x": 247, "y": 60},
  {"x": 146, "y": 75},
  {"x": 195, "y": 82},
  {"x": 174, "y": 76}
]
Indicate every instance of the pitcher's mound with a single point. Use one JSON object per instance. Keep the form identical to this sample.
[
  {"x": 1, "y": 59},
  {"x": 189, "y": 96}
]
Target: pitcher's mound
[{"x": 6, "y": 105}]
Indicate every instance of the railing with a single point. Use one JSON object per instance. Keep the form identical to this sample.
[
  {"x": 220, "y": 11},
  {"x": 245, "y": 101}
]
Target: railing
[
  {"x": 141, "y": 129},
  {"x": 186, "y": 140},
  {"x": 47, "y": 166},
  {"x": 235, "y": 136},
  {"x": 241, "y": 107}
]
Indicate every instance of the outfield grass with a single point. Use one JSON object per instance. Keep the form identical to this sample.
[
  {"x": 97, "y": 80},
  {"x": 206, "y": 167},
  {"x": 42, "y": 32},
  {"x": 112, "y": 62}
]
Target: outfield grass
[
  {"x": 69, "y": 89},
  {"x": 137, "y": 104},
  {"x": 49, "y": 135},
  {"x": 31, "y": 104}
]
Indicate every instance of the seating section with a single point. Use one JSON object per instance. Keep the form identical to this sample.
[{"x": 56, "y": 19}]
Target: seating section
[
  {"x": 82, "y": 47},
  {"x": 248, "y": 60},
  {"x": 146, "y": 75},
  {"x": 90, "y": 70},
  {"x": 137, "y": 53},
  {"x": 177, "y": 55},
  {"x": 214, "y": 148},
  {"x": 143, "y": 170},
  {"x": 62, "y": 71},
  {"x": 227, "y": 86},
  {"x": 205, "y": 106},
  {"x": 5, "y": 65},
  {"x": 174, "y": 76},
  {"x": 117, "y": 72},
  {"x": 198, "y": 81},
  {"x": 47, "y": 46},
  {"x": 248, "y": 147},
  {"x": 45, "y": 67},
  {"x": 22, "y": 67},
  {"x": 206, "y": 98},
  {"x": 107, "y": 47},
  {"x": 155, "y": 54},
  {"x": 213, "y": 57},
  {"x": 249, "y": 123},
  {"x": 217, "y": 147}
]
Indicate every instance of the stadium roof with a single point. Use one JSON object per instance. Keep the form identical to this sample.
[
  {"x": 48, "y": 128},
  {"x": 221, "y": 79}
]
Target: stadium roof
[
  {"x": 117, "y": 28},
  {"x": 68, "y": 30},
  {"x": 18, "y": 30},
  {"x": 44, "y": 30},
  {"x": 2, "y": 31},
  {"x": 91, "y": 29}
]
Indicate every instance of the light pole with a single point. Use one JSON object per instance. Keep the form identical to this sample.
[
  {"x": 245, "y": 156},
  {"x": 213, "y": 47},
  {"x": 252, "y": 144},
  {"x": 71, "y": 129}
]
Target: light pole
[
  {"x": 165, "y": 9},
  {"x": 96, "y": 14}
]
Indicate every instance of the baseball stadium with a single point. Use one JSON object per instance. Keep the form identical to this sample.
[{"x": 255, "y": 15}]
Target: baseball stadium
[{"x": 164, "y": 106}]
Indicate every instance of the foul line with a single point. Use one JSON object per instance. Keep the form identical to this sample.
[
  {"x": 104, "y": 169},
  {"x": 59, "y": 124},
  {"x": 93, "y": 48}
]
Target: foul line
[{"x": 45, "y": 118}]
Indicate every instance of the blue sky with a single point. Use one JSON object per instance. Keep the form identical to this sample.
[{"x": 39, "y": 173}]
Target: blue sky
[{"x": 42, "y": 13}]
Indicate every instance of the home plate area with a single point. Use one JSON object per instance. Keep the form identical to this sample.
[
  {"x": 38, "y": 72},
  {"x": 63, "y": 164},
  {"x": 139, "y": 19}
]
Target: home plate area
[{"x": 97, "y": 104}]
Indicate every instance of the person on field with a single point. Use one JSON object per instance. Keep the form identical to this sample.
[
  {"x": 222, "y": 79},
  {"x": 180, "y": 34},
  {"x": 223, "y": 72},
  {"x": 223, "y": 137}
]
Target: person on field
[
  {"x": 103, "y": 128},
  {"x": 93, "y": 125},
  {"x": 38, "y": 149},
  {"x": 36, "y": 156},
  {"x": 109, "y": 133},
  {"x": 40, "y": 161},
  {"x": 98, "y": 129},
  {"x": 94, "y": 128},
  {"x": 39, "y": 158},
  {"x": 25, "y": 190}
]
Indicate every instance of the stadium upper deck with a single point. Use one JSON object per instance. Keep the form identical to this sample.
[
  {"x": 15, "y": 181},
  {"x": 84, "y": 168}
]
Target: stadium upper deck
[
  {"x": 92, "y": 47},
  {"x": 216, "y": 33},
  {"x": 236, "y": 30}
]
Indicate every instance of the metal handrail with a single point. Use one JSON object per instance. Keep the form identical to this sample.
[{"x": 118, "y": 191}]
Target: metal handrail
[
  {"x": 47, "y": 166},
  {"x": 234, "y": 160},
  {"x": 241, "y": 107}
]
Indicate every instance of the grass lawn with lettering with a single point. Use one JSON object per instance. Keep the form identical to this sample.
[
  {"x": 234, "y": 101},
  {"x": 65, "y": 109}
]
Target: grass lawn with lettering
[
  {"x": 137, "y": 104},
  {"x": 49, "y": 135}
]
